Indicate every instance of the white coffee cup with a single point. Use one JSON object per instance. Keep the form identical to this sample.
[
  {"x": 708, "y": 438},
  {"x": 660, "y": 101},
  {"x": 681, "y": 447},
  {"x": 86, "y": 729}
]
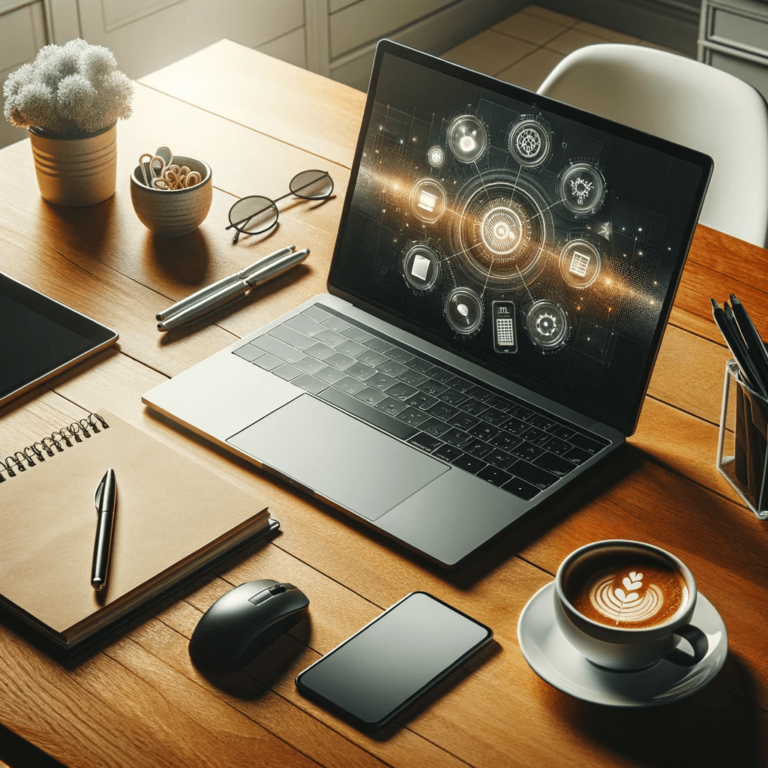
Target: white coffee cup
[{"x": 622, "y": 647}]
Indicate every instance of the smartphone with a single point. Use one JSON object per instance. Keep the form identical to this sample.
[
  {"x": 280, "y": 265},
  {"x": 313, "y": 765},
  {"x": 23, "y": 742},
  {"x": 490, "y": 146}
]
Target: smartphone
[{"x": 382, "y": 669}]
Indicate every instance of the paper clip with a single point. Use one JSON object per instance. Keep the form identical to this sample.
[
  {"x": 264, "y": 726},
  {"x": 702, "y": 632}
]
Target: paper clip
[{"x": 145, "y": 156}]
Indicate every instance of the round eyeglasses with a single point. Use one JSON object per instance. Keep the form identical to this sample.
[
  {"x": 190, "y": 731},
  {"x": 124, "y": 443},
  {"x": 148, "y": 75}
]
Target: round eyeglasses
[{"x": 256, "y": 214}]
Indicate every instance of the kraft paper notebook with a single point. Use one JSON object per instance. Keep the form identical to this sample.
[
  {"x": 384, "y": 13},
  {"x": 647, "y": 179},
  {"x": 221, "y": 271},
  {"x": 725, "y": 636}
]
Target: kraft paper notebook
[{"x": 173, "y": 519}]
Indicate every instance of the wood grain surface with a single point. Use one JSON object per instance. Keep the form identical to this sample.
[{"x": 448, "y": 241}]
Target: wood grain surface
[{"x": 139, "y": 701}]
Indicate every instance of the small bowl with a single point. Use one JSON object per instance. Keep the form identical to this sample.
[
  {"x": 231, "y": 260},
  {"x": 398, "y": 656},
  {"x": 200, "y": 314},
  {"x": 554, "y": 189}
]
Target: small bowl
[{"x": 173, "y": 212}]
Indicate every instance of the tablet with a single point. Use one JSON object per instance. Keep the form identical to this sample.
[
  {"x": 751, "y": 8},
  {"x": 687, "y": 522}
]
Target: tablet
[
  {"x": 40, "y": 337},
  {"x": 378, "y": 672}
]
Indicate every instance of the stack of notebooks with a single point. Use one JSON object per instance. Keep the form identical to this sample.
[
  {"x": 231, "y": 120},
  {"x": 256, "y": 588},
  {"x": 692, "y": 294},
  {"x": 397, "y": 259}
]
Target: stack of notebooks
[{"x": 173, "y": 520}]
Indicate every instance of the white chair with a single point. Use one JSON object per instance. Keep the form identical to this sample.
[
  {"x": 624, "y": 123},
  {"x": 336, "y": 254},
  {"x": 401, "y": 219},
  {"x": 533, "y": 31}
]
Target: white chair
[{"x": 686, "y": 102}]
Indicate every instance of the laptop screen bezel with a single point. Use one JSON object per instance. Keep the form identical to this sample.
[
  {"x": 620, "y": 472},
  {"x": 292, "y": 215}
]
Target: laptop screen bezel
[{"x": 625, "y": 425}]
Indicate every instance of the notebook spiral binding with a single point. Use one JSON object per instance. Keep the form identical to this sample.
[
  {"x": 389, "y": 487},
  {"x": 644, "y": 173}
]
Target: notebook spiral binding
[{"x": 37, "y": 452}]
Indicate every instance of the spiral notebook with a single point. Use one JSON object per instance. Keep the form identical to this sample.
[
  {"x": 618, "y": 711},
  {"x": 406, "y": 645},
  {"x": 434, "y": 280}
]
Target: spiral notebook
[{"x": 173, "y": 519}]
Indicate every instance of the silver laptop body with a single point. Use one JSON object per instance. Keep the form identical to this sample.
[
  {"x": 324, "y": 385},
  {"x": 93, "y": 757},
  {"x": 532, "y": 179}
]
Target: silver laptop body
[{"x": 441, "y": 434}]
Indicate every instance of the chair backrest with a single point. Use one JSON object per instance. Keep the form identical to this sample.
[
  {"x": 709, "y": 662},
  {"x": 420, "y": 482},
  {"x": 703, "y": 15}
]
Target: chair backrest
[{"x": 686, "y": 102}]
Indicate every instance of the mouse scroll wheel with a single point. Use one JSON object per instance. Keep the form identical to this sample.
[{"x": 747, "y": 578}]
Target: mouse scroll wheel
[{"x": 276, "y": 589}]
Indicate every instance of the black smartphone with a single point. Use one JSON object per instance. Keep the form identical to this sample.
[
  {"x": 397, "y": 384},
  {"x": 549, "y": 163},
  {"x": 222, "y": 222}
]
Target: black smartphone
[{"x": 382, "y": 669}]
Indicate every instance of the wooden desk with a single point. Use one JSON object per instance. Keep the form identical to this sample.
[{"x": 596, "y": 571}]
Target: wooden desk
[{"x": 140, "y": 702}]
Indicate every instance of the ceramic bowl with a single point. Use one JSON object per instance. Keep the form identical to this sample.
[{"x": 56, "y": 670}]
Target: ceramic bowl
[{"x": 175, "y": 212}]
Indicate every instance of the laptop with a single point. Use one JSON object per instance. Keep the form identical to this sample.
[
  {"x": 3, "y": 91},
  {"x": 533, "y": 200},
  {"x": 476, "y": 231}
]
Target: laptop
[{"x": 504, "y": 270}]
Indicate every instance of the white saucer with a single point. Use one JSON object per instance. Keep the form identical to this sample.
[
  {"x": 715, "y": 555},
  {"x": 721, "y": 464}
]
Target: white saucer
[{"x": 555, "y": 660}]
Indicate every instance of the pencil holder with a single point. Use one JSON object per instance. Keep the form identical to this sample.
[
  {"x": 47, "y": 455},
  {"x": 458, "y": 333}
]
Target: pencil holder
[
  {"x": 742, "y": 457},
  {"x": 176, "y": 212}
]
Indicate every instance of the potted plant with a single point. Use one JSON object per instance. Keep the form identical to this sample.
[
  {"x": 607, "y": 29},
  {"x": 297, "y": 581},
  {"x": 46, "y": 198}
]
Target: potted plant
[{"x": 71, "y": 97}]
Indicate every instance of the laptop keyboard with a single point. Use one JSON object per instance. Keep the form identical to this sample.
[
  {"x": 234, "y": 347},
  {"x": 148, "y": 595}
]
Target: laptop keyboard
[{"x": 441, "y": 411}]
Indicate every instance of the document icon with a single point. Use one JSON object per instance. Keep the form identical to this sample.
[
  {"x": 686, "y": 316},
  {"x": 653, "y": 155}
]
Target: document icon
[
  {"x": 420, "y": 268},
  {"x": 579, "y": 264},
  {"x": 427, "y": 201}
]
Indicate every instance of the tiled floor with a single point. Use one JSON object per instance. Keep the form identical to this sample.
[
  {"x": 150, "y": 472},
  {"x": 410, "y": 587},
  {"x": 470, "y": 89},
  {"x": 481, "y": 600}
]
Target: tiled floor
[{"x": 524, "y": 48}]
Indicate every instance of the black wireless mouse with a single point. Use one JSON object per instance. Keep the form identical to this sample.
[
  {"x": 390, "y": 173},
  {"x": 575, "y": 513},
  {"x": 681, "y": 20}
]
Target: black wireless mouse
[{"x": 242, "y": 623}]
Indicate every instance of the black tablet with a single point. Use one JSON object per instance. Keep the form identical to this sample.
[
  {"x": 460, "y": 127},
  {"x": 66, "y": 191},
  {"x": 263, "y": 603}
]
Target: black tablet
[
  {"x": 378, "y": 672},
  {"x": 40, "y": 337}
]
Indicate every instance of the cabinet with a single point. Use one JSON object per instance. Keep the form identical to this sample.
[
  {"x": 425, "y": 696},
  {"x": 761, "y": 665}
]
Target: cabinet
[
  {"x": 22, "y": 34},
  {"x": 733, "y": 36},
  {"x": 336, "y": 38},
  {"x": 145, "y": 35}
]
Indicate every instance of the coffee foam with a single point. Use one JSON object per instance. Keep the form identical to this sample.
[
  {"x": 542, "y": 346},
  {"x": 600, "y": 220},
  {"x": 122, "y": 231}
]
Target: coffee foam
[
  {"x": 626, "y": 590},
  {"x": 623, "y": 604}
]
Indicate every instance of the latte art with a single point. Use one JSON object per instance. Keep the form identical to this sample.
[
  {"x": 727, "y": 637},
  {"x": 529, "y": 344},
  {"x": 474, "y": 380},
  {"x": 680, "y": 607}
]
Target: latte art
[
  {"x": 626, "y": 590},
  {"x": 622, "y": 603}
]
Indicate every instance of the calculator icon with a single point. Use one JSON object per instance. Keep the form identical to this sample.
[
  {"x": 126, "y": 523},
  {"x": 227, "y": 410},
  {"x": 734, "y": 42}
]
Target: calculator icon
[{"x": 504, "y": 335}]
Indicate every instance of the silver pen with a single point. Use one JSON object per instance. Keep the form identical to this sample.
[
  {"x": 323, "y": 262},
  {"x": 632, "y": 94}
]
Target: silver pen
[
  {"x": 209, "y": 290},
  {"x": 229, "y": 293}
]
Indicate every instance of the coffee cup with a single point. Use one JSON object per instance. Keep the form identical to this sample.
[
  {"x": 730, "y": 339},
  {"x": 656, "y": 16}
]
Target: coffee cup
[{"x": 624, "y": 605}]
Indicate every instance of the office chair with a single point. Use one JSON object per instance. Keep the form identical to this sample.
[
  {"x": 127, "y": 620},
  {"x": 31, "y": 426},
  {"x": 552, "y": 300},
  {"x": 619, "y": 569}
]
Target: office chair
[{"x": 686, "y": 102}]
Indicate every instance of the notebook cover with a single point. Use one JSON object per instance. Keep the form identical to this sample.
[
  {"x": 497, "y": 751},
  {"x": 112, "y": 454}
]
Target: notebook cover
[{"x": 169, "y": 513}]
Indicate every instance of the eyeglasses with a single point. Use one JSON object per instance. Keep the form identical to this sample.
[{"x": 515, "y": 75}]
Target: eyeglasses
[{"x": 256, "y": 214}]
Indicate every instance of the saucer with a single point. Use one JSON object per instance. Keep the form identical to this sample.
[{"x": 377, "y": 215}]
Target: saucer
[{"x": 555, "y": 660}]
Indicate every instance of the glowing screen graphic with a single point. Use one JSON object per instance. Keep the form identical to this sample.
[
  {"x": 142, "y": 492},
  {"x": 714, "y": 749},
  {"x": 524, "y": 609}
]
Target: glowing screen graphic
[{"x": 467, "y": 199}]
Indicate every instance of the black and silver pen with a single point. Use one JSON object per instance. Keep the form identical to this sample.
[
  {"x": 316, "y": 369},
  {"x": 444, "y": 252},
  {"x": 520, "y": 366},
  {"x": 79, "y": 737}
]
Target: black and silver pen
[
  {"x": 106, "y": 501},
  {"x": 271, "y": 270},
  {"x": 209, "y": 290}
]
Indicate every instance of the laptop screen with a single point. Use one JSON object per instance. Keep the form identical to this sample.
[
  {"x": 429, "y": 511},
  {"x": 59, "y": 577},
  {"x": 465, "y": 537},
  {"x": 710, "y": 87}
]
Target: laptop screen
[{"x": 544, "y": 241}]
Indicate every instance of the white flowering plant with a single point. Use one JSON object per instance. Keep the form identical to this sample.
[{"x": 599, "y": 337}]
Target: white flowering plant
[{"x": 68, "y": 89}]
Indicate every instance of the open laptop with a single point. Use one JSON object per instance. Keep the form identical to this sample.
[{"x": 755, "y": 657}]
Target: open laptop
[{"x": 504, "y": 270}]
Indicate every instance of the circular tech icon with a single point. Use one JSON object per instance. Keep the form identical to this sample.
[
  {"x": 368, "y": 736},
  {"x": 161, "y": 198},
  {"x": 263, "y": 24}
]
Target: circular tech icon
[
  {"x": 503, "y": 231},
  {"x": 464, "y": 311},
  {"x": 579, "y": 263},
  {"x": 547, "y": 325},
  {"x": 428, "y": 200},
  {"x": 421, "y": 267},
  {"x": 467, "y": 138},
  {"x": 582, "y": 188},
  {"x": 529, "y": 142},
  {"x": 436, "y": 156}
]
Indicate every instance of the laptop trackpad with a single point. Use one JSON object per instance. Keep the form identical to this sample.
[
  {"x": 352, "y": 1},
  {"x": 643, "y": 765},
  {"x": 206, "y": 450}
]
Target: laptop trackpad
[{"x": 338, "y": 456}]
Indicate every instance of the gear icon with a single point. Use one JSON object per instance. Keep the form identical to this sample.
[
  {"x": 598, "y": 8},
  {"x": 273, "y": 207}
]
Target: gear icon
[
  {"x": 546, "y": 324},
  {"x": 528, "y": 143},
  {"x": 580, "y": 189}
]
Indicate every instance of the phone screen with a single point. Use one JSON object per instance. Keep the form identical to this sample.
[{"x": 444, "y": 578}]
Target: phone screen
[{"x": 379, "y": 671}]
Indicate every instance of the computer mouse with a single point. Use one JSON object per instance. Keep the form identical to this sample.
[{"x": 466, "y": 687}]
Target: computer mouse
[{"x": 242, "y": 623}]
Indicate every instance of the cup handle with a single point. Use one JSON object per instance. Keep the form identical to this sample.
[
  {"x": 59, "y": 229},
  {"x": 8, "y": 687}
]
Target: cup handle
[{"x": 699, "y": 643}]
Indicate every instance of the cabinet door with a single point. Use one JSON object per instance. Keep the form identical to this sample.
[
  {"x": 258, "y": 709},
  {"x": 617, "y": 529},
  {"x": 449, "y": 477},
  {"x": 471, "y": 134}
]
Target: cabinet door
[
  {"x": 145, "y": 35},
  {"x": 22, "y": 34},
  {"x": 751, "y": 69}
]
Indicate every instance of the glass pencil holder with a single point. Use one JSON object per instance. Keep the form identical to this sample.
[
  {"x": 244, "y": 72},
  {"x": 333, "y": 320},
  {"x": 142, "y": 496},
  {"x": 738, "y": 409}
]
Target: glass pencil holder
[{"x": 742, "y": 448}]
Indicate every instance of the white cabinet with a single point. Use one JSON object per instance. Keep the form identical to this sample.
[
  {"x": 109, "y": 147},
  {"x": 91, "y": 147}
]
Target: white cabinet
[
  {"x": 336, "y": 38},
  {"x": 369, "y": 20},
  {"x": 145, "y": 35},
  {"x": 434, "y": 26},
  {"x": 22, "y": 34},
  {"x": 733, "y": 36}
]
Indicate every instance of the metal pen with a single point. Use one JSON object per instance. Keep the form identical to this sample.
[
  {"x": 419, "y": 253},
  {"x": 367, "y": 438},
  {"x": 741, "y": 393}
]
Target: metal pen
[
  {"x": 268, "y": 272},
  {"x": 209, "y": 290},
  {"x": 105, "y": 501}
]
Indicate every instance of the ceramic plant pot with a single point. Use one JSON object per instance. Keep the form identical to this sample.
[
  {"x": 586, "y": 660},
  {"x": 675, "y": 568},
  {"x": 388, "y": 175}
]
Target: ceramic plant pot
[{"x": 77, "y": 170}]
